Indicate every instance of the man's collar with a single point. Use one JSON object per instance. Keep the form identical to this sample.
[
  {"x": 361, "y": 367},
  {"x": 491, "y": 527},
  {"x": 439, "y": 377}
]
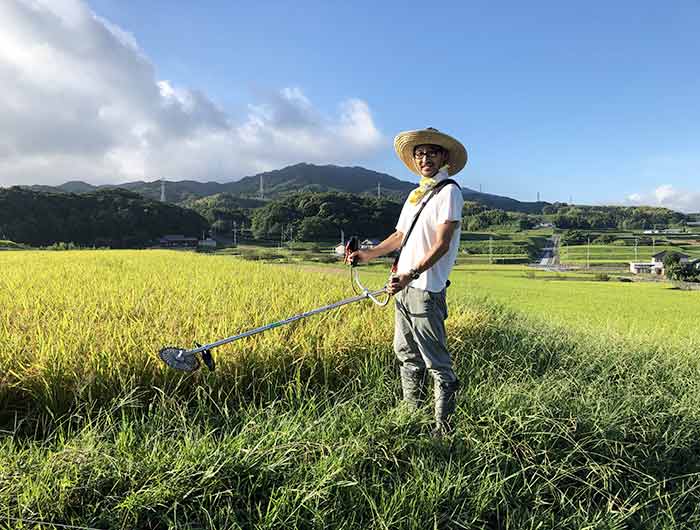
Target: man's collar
[{"x": 441, "y": 175}]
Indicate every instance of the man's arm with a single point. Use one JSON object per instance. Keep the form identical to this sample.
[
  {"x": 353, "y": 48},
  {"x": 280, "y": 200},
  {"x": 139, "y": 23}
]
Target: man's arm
[{"x": 390, "y": 244}]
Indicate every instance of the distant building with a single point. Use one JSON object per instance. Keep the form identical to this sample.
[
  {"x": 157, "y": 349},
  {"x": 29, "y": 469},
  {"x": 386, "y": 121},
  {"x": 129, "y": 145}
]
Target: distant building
[
  {"x": 207, "y": 243},
  {"x": 658, "y": 258},
  {"x": 369, "y": 243},
  {"x": 646, "y": 268},
  {"x": 656, "y": 265},
  {"x": 178, "y": 241}
]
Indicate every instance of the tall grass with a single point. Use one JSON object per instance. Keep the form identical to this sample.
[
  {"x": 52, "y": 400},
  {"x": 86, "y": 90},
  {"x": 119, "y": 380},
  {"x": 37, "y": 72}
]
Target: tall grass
[{"x": 556, "y": 428}]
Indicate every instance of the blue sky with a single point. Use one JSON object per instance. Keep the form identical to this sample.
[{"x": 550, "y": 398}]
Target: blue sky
[{"x": 597, "y": 101}]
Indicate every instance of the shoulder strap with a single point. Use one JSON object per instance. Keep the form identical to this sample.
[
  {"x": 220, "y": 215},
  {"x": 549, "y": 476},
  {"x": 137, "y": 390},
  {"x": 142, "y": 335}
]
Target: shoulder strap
[{"x": 433, "y": 192}]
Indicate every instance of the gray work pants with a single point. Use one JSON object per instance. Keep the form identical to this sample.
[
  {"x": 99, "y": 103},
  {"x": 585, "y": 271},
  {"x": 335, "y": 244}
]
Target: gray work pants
[{"x": 420, "y": 340}]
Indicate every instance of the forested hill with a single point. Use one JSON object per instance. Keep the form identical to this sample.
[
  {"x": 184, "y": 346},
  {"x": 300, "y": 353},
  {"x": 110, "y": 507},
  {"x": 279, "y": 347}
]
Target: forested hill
[
  {"x": 115, "y": 218},
  {"x": 293, "y": 179},
  {"x": 498, "y": 202}
]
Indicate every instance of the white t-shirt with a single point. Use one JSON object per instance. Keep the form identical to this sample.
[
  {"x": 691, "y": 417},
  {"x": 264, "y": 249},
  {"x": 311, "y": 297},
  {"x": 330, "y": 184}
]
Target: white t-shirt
[{"x": 443, "y": 207}]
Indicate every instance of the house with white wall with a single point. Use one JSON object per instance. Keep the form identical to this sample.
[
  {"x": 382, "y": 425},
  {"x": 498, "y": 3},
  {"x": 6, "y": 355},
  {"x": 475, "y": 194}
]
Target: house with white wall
[{"x": 656, "y": 265}]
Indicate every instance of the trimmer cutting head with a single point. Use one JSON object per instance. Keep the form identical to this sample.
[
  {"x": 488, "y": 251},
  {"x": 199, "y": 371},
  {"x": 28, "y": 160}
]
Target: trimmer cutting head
[
  {"x": 179, "y": 358},
  {"x": 186, "y": 360}
]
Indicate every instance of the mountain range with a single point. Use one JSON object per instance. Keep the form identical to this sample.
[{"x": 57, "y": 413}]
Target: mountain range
[{"x": 296, "y": 178}]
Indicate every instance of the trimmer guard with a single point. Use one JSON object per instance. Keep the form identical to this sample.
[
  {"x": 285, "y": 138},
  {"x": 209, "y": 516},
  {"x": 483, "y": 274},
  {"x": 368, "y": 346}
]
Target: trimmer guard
[{"x": 179, "y": 359}]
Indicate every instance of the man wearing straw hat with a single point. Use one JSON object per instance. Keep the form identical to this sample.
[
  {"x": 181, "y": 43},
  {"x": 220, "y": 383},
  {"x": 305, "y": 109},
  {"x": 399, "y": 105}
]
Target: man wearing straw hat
[{"x": 427, "y": 237}]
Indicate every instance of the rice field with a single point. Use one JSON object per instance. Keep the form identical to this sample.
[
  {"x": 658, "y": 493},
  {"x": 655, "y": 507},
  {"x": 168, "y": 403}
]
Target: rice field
[
  {"x": 566, "y": 418},
  {"x": 639, "y": 312},
  {"x": 618, "y": 255}
]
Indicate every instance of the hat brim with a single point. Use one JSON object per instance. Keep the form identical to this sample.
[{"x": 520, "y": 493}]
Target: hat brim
[{"x": 405, "y": 143}]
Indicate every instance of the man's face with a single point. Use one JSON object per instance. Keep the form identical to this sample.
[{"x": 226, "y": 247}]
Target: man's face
[{"x": 429, "y": 159}]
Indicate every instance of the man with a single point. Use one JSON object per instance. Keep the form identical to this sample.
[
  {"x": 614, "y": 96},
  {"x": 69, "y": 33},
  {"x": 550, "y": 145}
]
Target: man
[{"x": 424, "y": 264}]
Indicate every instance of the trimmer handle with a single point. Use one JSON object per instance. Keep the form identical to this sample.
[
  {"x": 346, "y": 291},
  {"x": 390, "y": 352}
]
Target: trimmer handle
[{"x": 353, "y": 245}]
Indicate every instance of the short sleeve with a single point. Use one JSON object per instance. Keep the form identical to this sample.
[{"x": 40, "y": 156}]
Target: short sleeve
[
  {"x": 451, "y": 203},
  {"x": 404, "y": 219}
]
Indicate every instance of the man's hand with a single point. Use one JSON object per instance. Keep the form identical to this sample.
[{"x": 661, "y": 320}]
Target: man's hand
[
  {"x": 362, "y": 257},
  {"x": 398, "y": 282}
]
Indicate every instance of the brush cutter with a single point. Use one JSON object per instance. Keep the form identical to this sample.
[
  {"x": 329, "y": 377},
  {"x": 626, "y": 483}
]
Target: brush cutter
[{"x": 187, "y": 360}]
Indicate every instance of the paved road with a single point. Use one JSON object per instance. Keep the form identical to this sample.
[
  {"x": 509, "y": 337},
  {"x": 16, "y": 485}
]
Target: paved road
[{"x": 550, "y": 253}]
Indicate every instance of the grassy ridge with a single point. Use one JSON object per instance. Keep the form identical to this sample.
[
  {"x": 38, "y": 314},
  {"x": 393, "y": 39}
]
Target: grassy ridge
[{"x": 558, "y": 427}]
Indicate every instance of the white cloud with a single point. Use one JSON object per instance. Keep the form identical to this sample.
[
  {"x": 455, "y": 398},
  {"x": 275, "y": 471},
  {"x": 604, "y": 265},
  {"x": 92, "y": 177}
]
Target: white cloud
[
  {"x": 669, "y": 197},
  {"x": 81, "y": 101}
]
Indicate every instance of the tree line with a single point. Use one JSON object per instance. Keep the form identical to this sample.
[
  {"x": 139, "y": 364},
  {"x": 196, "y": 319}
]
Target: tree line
[
  {"x": 321, "y": 216},
  {"x": 120, "y": 218},
  {"x": 612, "y": 217},
  {"x": 112, "y": 218}
]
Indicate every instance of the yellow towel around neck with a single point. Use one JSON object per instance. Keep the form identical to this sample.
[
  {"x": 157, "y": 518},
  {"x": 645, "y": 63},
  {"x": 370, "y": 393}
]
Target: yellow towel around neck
[{"x": 424, "y": 186}]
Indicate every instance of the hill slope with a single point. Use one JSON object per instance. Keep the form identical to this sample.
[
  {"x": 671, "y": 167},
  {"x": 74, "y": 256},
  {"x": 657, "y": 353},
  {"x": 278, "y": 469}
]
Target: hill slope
[
  {"x": 299, "y": 177},
  {"x": 116, "y": 218}
]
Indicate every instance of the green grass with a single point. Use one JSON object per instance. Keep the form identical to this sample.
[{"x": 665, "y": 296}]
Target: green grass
[
  {"x": 499, "y": 247},
  {"x": 614, "y": 254},
  {"x": 560, "y": 424},
  {"x": 639, "y": 312}
]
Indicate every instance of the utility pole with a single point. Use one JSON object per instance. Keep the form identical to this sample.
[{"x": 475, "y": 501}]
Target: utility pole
[
  {"x": 538, "y": 196},
  {"x": 235, "y": 239},
  {"x": 162, "y": 191},
  {"x": 490, "y": 249},
  {"x": 342, "y": 237},
  {"x": 479, "y": 188},
  {"x": 379, "y": 190},
  {"x": 653, "y": 245}
]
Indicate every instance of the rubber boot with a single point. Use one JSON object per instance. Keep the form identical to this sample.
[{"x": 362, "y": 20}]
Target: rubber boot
[
  {"x": 445, "y": 403},
  {"x": 413, "y": 386}
]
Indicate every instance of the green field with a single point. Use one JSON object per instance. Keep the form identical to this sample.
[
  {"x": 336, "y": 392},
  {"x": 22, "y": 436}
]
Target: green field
[
  {"x": 579, "y": 407},
  {"x": 615, "y": 254},
  {"x": 640, "y": 312},
  {"x": 501, "y": 247}
]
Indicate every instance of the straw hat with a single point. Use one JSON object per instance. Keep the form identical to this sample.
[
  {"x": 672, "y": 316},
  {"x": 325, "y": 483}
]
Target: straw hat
[{"x": 405, "y": 142}]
